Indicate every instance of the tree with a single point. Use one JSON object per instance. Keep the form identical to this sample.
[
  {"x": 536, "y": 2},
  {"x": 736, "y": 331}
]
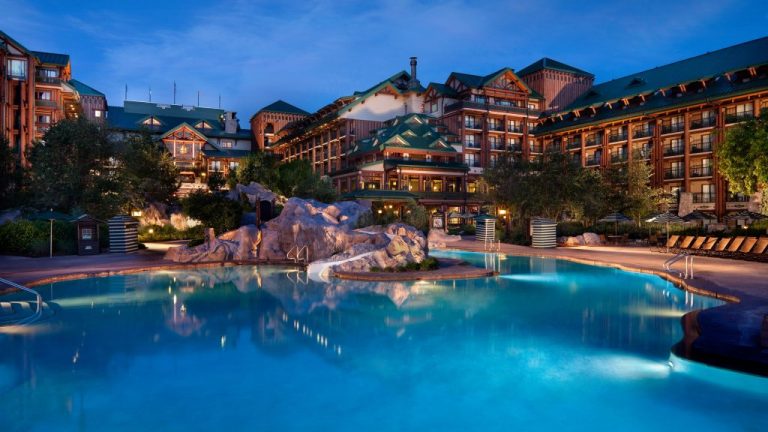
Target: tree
[
  {"x": 213, "y": 210},
  {"x": 11, "y": 179},
  {"x": 216, "y": 181},
  {"x": 73, "y": 168},
  {"x": 260, "y": 167},
  {"x": 742, "y": 158},
  {"x": 629, "y": 190},
  {"x": 148, "y": 171}
]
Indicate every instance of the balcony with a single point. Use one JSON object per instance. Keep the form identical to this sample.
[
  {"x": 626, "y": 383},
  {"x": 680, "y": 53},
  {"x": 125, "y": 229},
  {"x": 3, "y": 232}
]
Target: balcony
[
  {"x": 536, "y": 149},
  {"x": 672, "y": 128},
  {"x": 515, "y": 147},
  {"x": 673, "y": 150},
  {"x": 474, "y": 145},
  {"x": 594, "y": 140},
  {"x": 703, "y": 123},
  {"x": 497, "y": 146},
  {"x": 703, "y": 197},
  {"x": 593, "y": 160},
  {"x": 701, "y": 171},
  {"x": 448, "y": 196},
  {"x": 642, "y": 133},
  {"x": 701, "y": 146},
  {"x": 618, "y": 157},
  {"x": 515, "y": 129},
  {"x": 495, "y": 128},
  {"x": 473, "y": 125},
  {"x": 573, "y": 145},
  {"x": 739, "y": 198},
  {"x": 485, "y": 106},
  {"x": 738, "y": 117},
  {"x": 47, "y": 103},
  {"x": 47, "y": 80},
  {"x": 672, "y": 173},
  {"x": 617, "y": 137}
]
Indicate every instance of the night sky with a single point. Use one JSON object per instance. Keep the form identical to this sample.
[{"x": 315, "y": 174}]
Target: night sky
[{"x": 310, "y": 52}]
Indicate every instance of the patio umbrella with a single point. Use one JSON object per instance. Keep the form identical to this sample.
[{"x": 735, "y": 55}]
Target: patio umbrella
[
  {"x": 51, "y": 216},
  {"x": 744, "y": 215},
  {"x": 615, "y": 217},
  {"x": 666, "y": 218},
  {"x": 699, "y": 216},
  {"x": 454, "y": 215}
]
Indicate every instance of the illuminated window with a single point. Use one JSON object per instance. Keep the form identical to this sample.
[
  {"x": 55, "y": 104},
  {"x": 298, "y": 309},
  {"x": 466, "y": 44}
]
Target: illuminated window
[
  {"x": 226, "y": 144},
  {"x": 233, "y": 165},
  {"x": 152, "y": 121},
  {"x": 97, "y": 113},
  {"x": 183, "y": 149},
  {"x": 214, "y": 166},
  {"x": 43, "y": 95},
  {"x": 17, "y": 68},
  {"x": 44, "y": 119},
  {"x": 203, "y": 125}
]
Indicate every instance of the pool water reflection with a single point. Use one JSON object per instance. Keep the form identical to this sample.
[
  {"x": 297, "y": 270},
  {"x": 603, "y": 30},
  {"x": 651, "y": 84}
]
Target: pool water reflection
[{"x": 548, "y": 344}]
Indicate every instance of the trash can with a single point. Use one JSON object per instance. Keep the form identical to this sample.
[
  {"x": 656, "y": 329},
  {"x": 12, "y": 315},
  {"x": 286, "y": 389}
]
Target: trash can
[
  {"x": 87, "y": 235},
  {"x": 543, "y": 233},
  {"x": 123, "y": 234},
  {"x": 485, "y": 228}
]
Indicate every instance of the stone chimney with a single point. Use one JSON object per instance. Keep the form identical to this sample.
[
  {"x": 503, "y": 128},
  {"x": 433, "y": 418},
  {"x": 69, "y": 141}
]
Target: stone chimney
[
  {"x": 413, "y": 84},
  {"x": 230, "y": 122}
]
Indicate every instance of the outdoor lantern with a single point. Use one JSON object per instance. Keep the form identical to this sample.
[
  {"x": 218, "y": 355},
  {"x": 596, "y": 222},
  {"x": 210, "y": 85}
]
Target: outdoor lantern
[{"x": 136, "y": 213}]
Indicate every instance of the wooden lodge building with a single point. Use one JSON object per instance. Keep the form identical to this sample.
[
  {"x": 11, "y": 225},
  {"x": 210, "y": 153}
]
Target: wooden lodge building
[
  {"x": 202, "y": 141},
  {"x": 672, "y": 116},
  {"x": 36, "y": 91}
]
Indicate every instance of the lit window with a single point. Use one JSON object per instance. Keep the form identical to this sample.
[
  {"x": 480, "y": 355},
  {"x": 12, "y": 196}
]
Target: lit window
[
  {"x": 46, "y": 119},
  {"x": 97, "y": 113},
  {"x": 233, "y": 165},
  {"x": 214, "y": 166},
  {"x": 152, "y": 121},
  {"x": 203, "y": 125},
  {"x": 183, "y": 149},
  {"x": 17, "y": 68},
  {"x": 43, "y": 95},
  {"x": 226, "y": 144}
]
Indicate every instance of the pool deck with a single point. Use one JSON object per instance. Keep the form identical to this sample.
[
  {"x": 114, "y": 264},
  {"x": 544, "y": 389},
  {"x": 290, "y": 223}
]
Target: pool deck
[{"x": 727, "y": 336}]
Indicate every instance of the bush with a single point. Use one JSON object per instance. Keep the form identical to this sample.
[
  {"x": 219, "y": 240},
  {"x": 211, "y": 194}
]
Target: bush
[
  {"x": 416, "y": 216},
  {"x": 213, "y": 210},
  {"x": 429, "y": 263},
  {"x": 570, "y": 229},
  {"x": 32, "y": 238},
  {"x": 168, "y": 232},
  {"x": 468, "y": 229}
]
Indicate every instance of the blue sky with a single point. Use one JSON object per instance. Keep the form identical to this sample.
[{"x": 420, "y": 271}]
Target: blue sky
[{"x": 310, "y": 52}]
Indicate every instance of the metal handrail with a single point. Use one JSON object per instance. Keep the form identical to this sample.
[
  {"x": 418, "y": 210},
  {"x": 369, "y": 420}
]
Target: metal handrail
[
  {"x": 688, "y": 264},
  {"x": 38, "y": 300},
  {"x": 297, "y": 251}
]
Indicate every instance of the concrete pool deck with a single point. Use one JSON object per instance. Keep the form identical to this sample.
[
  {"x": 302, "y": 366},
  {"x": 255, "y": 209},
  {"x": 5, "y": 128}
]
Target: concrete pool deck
[{"x": 728, "y": 336}]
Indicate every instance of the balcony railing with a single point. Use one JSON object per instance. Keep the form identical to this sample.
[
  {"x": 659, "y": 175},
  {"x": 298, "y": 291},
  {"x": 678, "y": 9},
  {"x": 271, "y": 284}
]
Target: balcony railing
[
  {"x": 515, "y": 147},
  {"x": 702, "y": 123},
  {"x": 46, "y": 103},
  {"x": 592, "y": 160},
  {"x": 739, "y": 198},
  {"x": 573, "y": 145},
  {"x": 738, "y": 117},
  {"x": 47, "y": 79},
  {"x": 515, "y": 129},
  {"x": 672, "y": 128},
  {"x": 674, "y": 174},
  {"x": 594, "y": 140},
  {"x": 674, "y": 150},
  {"x": 701, "y": 171},
  {"x": 642, "y": 133},
  {"x": 454, "y": 196},
  {"x": 703, "y": 197},
  {"x": 701, "y": 146},
  {"x": 495, "y": 127},
  {"x": 497, "y": 146},
  {"x": 620, "y": 157},
  {"x": 536, "y": 149},
  {"x": 472, "y": 145},
  {"x": 472, "y": 125},
  {"x": 617, "y": 137},
  {"x": 486, "y": 106}
]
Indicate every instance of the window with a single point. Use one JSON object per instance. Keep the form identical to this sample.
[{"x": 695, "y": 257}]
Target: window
[
  {"x": 183, "y": 149},
  {"x": 437, "y": 185},
  {"x": 470, "y": 141},
  {"x": 471, "y": 187},
  {"x": 533, "y": 106},
  {"x": 233, "y": 165},
  {"x": 514, "y": 126},
  {"x": 494, "y": 159},
  {"x": 97, "y": 113},
  {"x": 43, "y": 95},
  {"x": 86, "y": 233},
  {"x": 46, "y": 119},
  {"x": 214, "y": 166},
  {"x": 17, "y": 68},
  {"x": 478, "y": 99},
  {"x": 226, "y": 144},
  {"x": 471, "y": 159},
  {"x": 471, "y": 122},
  {"x": 203, "y": 125},
  {"x": 48, "y": 73},
  {"x": 152, "y": 122},
  {"x": 433, "y": 107}
]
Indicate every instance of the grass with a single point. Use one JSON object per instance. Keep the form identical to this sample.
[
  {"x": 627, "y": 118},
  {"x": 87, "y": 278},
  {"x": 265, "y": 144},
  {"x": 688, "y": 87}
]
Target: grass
[{"x": 426, "y": 265}]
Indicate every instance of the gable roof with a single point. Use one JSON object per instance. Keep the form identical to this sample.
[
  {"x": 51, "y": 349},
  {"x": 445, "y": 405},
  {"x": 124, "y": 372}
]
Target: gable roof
[
  {"x": 701, "y": 67},
  {"x": 548, "y": 63},
  {"x": 280, "y": 106},
  {"x": 480, "y": 81},
  {"x": 18, "y": 45},
  {"x": 52, "y": 58},
  {"x": 84, "y": 89},
  {"x": 411, "y": 131}
]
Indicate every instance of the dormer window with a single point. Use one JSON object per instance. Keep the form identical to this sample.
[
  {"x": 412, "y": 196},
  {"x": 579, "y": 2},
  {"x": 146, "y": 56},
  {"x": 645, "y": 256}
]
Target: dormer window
[
  {"x": 152, "y": 122},
  {"x": 203, "y": 125},
  {"x": 17, "y": 69}
]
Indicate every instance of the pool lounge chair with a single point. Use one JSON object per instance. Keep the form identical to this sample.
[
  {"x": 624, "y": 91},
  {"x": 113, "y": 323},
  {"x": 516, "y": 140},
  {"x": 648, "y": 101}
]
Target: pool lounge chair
[
  {"x": 720, "y": 247},
  {"x": 758, "y": 252},
  {"x": 706, "y": 247},
  {"x": 745, "y": 248},
  {"x": 684, "y": 244},
  {"x": 733, "y": 247},
  {"x": 671, "y": 242},
  {"x": 696, "y": 245}
]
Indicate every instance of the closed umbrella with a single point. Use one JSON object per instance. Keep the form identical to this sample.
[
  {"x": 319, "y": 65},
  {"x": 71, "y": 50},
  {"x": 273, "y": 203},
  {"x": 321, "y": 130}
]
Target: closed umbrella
[{"x": 615, "y": 217}]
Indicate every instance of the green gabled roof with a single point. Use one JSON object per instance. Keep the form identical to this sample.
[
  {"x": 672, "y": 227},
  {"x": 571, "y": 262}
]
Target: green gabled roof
[
  {"x": 281, "y": 106},
  {"x": 411, "y": 131},
  {"x": 4, "y": 35},
  {"x": 701, "y": 67},
  {"x": 52, "y": 58},
  {"x": 548, "y": 63},
  {"x": 443, "y": 89},
  {"x": 478, "y": 81},
  {"x": 84, "y": 89}
]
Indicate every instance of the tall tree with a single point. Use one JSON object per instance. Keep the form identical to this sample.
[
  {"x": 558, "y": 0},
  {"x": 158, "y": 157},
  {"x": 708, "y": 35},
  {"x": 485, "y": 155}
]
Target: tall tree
[
  {"x": 148, "y": 171},
  {"x": 73, "y": 168},
  {"x": 11, "y": 178},
  {"x": 742, "y": 158},
  {"x": 629, "y": 190},
  {"x": 260, "y": 167}
]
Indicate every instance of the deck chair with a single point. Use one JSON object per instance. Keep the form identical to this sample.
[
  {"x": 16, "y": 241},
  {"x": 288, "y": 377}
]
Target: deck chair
[
  {"x": 747, "y": 246},
  {"x": 720, "y": 247},
  {"x": 733, "y": 247},
  {"x": 707, "y": 246},
  {"x": 696, "y": 245},
  {"x": 758, "y": 251},
  {"x": 684, "y": 244},
  {"x": 671, "y": 242}
]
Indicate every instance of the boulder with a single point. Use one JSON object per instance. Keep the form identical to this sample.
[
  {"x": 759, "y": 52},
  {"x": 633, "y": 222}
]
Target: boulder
[
  {"x": 154, "y": 214},
  {"x": 591, "y": 239},
  {"x": 253, "y": 192},
  {"x": 237, "y": 245},
  {"x": 438, "y": 238}
]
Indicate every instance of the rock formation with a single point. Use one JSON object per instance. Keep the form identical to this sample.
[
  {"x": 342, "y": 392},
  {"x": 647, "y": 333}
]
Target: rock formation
[
  {"x": 253, "y": 192},
  {"x": 586, "y": 239},
  {"x": 238, "y": 245},
  {"x": 438, "y": 238}
]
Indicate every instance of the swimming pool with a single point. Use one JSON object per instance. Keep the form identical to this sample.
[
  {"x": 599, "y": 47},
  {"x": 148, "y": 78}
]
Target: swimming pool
[{"x": 548, "y": 344}]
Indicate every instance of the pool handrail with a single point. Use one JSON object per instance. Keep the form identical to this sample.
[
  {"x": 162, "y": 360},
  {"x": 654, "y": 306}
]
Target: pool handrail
[{"x": 38, "y": 300}]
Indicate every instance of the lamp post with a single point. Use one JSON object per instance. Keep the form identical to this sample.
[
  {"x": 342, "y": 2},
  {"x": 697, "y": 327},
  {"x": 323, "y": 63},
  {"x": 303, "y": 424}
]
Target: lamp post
[{"x": 50, "y": 243}]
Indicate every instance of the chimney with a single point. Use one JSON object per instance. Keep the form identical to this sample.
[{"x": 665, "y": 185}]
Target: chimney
[
  {"x": 230, "y": 122},
  {"x": 413, "y": 84}
]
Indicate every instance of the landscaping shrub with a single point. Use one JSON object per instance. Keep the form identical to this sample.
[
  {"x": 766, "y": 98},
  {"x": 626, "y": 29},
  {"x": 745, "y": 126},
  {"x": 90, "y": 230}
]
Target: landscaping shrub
[
  {"x": 168, "y": 232},
  {"x": 468, "y": 229},
  {"x": 570, "y": 229},
  {"x": 213, "y": 210},
  {"x": 32, "y": 238}
]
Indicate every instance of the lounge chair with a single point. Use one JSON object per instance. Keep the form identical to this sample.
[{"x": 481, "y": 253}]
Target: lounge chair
[
  {"x": 720, "y": 247},
  {"x": 671, "y": 242},
  {"x": 684, "y": 244},
  {"x": 745, "y": 248},
  {"x": 696, "y": 245},
  {"x": 706, "y": 247},
  {"x": 758, "y": 252},
  {"x": 733, "y": 247}
]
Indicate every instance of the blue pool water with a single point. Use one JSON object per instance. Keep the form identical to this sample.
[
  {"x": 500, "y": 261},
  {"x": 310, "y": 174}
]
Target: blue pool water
[{"x": 547, "y": 345}]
